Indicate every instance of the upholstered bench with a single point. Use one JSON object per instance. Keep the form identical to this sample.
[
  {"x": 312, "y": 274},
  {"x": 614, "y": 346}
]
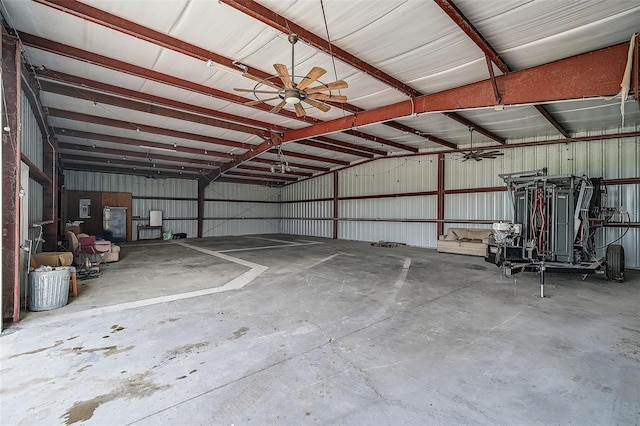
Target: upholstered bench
[{"x": 471, "y": 241}]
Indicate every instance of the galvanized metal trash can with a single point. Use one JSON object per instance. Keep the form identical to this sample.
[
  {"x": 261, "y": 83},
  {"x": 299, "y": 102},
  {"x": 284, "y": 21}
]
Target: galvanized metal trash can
[{"x": 48, "y": 289}]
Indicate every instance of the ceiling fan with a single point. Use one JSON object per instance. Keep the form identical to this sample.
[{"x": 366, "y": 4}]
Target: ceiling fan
[
  {"x": 293, "y": 93},
  {"x": 476, "y": 155}
]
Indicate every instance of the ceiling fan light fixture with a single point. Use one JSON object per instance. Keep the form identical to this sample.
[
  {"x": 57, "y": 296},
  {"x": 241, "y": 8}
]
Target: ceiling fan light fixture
[{"x": 291, "y": 96}]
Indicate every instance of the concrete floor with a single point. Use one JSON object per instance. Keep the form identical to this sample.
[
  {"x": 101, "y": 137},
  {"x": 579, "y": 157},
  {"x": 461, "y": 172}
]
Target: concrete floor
[{"x": 282, "y": 329}]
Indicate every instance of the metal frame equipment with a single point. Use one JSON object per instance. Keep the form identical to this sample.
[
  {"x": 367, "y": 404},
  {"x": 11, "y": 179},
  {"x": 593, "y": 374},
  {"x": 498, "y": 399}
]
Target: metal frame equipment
[{"x": 554, "y": 227}]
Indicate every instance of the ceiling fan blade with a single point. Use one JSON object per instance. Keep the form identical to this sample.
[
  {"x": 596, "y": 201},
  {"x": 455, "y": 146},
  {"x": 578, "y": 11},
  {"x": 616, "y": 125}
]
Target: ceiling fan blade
[
  {"x": 335, "y": 85},
  {"x": 284, "y": 76},
  {"x": 259, "y": 101},
  {"x": 271, "y": 92},
  {"x": 276, "y": 109},
  {"x": 261, "y": 80},
  {"x": 322, "y": 107},
  {"x": 324, "y": 97},
  {"x": 477, "y": 158},
  {"x": 313, "y": 75},
  {"x": 300, "y": 112}
]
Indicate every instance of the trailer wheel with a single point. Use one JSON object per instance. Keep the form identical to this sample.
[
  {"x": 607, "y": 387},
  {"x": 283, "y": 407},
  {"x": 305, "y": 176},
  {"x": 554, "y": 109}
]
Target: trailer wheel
[{"x": 615, "y": 263}]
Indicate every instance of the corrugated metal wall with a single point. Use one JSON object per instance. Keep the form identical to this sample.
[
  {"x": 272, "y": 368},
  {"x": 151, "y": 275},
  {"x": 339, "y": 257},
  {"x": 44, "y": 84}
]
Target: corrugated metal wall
[
  {"x": 230, "y": 209},
  {"x": 138, "y": 186},
  {"x": 388, "y": 218},
  {"x": 372, "y": 218},
  {"x": 611, "y": 159},
  {"x": 305, "y": 209},
  {"x": 31, "y": 140},
  {"x": 235, "y": 209},
  {"x": 160, "y": 194}
]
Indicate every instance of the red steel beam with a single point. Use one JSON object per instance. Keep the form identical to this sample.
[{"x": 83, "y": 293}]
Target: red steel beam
[
  {"x": 11, "y": 175},
  {"x": 82, "y": 55},
  {"x": 328, "y": 147},
  {"x": 441, "y": 192},
  {"x": 129, "y": 171},
  {"x": 133, "y": 29},
  {"x": 116, "y": 65},
  {"x": 292, "y": 164},
  {"x": 592, "y": 74},
  {"x": 102, "y": 98},
  {"x": 274, "y": 176},
  {"x": 246, "y": 181},
  {"x": 202, "y": 184},
  {"x": 636, "y": 67},
  {"x": 68, "y": 159},
  {"x": 117, "y": 23},
  {"x": 58, "y": 76},
  {"x": 285, "y": 26},
  {"x": 491, "y": 54},
  {"x": 407, "y": 129},
  {"x": 315, "y": 158},
  {"x": 467, "y": 27},
  {"x": 376, "y": 139},
  {"x": 460, "y": 119},
  {"x": 103, "y": 121},
  {"x": 351, "y": 146},
  {"x": 268, "y": 170},
  {"x": 136, "y": 154},
  {"x": 336, "y": 209}
]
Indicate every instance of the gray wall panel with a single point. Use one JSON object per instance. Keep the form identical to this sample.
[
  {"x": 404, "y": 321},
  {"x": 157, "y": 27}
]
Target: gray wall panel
[{"x": 31, "y": 140}]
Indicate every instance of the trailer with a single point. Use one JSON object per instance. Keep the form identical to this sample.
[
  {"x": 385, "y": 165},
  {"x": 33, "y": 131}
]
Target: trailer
[{"x": 554, "y": 226}]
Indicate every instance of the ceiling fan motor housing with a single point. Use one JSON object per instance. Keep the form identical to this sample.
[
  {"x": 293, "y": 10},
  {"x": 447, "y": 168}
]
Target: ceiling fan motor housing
[{"x": 292, "y": 96}]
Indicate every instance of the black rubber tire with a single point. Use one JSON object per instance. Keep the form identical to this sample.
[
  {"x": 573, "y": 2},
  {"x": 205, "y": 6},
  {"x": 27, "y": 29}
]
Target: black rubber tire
[{"x": 615, "y": 263}]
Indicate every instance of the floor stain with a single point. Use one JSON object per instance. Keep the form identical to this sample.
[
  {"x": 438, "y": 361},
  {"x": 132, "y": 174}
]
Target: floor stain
[
  {"x": 84, "y": 368},
  {"x": 137, "y": 386},
  {"x": 239, "y": 333},
  {"x": 107, "y": 350},
  {"x": 35, "y": 351},
  {"x": 116, "y": 328}
]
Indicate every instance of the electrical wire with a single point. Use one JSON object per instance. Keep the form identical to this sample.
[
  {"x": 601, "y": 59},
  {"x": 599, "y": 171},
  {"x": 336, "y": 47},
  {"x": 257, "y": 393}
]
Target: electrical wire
[
  {"x": 621, "y": 236},
  {"x": 333, "y": 59}
]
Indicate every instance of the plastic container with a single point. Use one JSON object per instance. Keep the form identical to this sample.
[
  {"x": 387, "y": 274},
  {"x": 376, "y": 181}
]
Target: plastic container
[{"x": 48, "y": 289}]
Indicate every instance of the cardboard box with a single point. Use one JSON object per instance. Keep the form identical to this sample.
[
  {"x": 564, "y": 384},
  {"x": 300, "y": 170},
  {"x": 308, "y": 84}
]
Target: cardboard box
[
  {"x": 52, "y": 258},
  {"x": 75, "y": 229}
]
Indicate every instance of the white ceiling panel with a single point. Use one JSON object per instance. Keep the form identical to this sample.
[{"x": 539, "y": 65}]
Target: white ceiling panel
[{"x": 414, "y": 42}]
